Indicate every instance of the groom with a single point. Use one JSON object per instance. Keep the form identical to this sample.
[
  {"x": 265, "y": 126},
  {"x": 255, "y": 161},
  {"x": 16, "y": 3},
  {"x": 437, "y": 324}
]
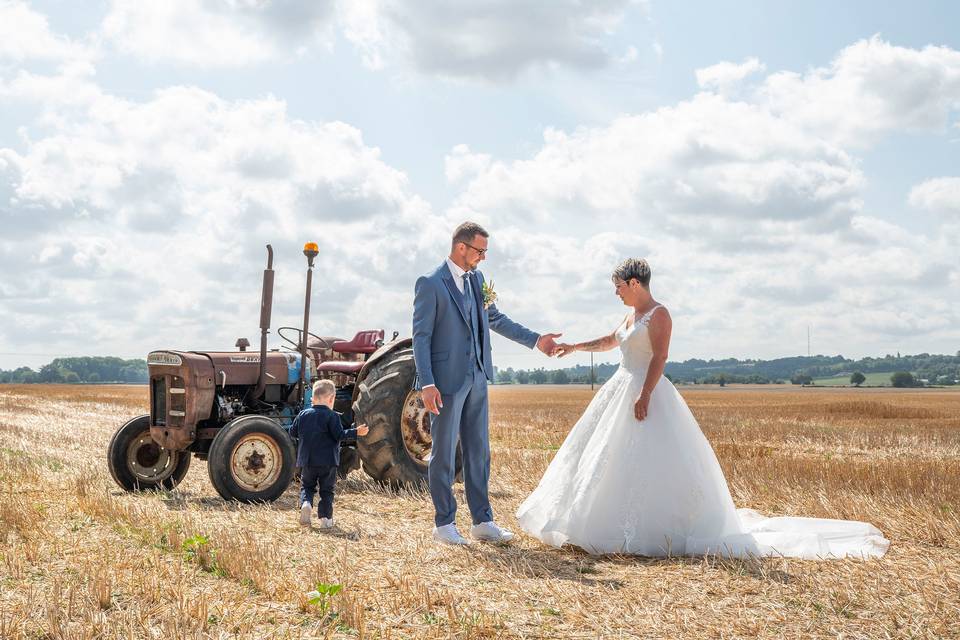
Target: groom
[{"x": 451, "y": 347}]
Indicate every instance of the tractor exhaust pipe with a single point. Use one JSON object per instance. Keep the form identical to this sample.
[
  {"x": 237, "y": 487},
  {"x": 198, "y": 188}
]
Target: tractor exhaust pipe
[
  {"x": 266, "y": 309},
  {"x": 311, "y": 250}
]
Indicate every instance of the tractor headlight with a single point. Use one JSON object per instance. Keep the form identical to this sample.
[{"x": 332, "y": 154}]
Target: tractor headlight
[{"x": 164, "y": 357}]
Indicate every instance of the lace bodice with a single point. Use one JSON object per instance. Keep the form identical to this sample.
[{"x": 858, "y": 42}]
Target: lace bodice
[{"x": 635, "y": 347}]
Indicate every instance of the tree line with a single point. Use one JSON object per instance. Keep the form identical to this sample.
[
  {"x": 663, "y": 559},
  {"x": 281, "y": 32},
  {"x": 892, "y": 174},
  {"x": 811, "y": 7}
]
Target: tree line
[
  {"x": 905, "y": 371},
  {"x": 89, "y": 369},
  {"x": 910, "y": 370}
]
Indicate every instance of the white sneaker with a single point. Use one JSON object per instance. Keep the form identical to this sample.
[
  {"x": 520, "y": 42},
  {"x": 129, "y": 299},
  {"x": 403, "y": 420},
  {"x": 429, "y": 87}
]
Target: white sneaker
[
  {"x": 327, "y": 523},
  {"x": 305, "y": 511},
  {"x": 490, "y": 532},
  {"x": 448, "y": 534}
]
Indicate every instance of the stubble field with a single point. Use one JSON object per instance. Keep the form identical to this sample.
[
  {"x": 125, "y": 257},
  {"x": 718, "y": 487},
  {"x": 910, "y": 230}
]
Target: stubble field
[{"x": 80, "y": 559}]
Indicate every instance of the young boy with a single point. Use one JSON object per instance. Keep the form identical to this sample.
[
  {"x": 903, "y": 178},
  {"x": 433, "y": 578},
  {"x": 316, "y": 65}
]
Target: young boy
[{"x": 318, "y": 452}]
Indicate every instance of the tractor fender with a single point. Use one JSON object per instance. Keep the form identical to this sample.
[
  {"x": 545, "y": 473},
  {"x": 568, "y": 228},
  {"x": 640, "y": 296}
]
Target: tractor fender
[{"x": 375, "y": 357}]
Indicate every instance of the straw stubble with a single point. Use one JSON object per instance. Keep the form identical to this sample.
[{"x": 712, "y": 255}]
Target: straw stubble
[{"x": 81, "y": 559}]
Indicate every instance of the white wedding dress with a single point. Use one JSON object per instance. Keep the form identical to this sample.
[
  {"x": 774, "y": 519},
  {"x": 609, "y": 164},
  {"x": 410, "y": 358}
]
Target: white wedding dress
[{"x": 655, "y": 488}]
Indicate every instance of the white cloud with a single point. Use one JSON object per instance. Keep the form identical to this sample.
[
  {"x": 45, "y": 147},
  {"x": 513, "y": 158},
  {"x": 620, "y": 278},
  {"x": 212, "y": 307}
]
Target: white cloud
[
  {"x": 939, "y": 194},
  {"x": 872, "y": 87},
  {"x": 461, "y": 163},
  {"x": 25, "y": 35},
  {"x": 751, "y": 213},
  {"x": 658, "y": 50},
  {"x": 703, "y": 157},
  {"x": 146, "y": 220},
  {"x": 725, "y": 76},
  {"x": 493, "y": 41},
  {"x": 134, "y": 224},
  {"x": 228, "y": 33}
]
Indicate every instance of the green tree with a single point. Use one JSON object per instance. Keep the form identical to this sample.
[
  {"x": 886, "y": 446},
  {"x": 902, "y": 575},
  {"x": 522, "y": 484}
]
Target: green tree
[
  {"x": 801, "y": 378},
  {"x": 71, "y": 377},
  {"x": 52, "y": 372},
  {"x": 560, "y": 377},
  {"x": 902, "y": 379},
  {"x": 857, "y": 379},
  {"x": 522, "y": 377},
  {"x": 538, "y": 376}
]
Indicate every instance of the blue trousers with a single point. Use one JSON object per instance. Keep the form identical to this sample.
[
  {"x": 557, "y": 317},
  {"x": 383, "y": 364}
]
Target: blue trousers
[
  {"x": 322, "y": 477},
  {"x": 464, "y": 416}
]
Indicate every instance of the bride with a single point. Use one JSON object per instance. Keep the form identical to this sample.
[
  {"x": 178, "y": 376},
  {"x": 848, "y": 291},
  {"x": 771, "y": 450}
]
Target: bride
[{"x": 635, "y": 475}]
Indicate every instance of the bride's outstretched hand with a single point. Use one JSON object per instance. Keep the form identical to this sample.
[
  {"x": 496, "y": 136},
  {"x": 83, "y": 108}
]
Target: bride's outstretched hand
[
  {"x": 564, "y": 349},
  {"x": 641, "y": 405}
]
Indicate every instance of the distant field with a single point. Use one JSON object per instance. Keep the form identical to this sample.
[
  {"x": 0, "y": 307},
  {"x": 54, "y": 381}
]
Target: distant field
[
  {"x": 81, "y": 559},
  {"x": 873, "y": 380}
]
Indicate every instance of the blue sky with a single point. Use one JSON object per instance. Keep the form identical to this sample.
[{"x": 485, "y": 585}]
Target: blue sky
[{"x": 810, "y": 181}]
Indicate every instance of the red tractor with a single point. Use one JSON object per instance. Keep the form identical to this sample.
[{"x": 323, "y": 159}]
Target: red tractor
[{"x": 234, "y": 409}]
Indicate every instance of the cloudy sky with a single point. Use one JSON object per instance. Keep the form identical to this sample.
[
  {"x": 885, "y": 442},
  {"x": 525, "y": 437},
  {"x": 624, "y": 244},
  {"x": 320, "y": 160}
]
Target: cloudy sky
[{"x": 781, "y": 165}]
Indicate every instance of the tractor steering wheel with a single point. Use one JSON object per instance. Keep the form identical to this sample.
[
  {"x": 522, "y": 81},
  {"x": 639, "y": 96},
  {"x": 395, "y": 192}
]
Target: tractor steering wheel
[{"x": 282, "y": 332}]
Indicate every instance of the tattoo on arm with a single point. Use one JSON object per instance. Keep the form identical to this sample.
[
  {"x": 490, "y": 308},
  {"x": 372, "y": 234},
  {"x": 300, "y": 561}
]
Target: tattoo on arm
[{"x": 600, "y": 344}]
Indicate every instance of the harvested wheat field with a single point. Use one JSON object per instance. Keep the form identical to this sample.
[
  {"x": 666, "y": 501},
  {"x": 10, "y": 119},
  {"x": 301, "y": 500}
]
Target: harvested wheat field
[{"x": 80, "y": 559}]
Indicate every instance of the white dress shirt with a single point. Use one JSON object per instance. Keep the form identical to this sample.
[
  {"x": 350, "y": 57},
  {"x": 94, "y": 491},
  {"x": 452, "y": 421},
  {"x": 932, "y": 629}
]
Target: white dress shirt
[{"x": 457, "y": 273}]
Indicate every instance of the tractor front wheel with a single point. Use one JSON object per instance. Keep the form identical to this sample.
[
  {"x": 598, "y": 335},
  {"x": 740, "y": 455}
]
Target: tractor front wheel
[
  {"x": 251, "y": 459},
  {"x": 137, "y": 462}
]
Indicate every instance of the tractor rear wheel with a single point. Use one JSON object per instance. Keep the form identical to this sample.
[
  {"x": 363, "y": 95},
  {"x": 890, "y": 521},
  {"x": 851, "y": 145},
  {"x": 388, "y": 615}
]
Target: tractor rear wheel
[
  {"x": 251, "y": 459},
  {"x": 397, "y": 448},
  {"x": 349, "y": 460},
  {"x": 137, "y": 462}
]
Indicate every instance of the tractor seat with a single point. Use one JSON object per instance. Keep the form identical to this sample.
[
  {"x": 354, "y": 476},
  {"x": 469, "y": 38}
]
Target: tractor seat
[
  {"x": 340, "y": 366},
  {"x": 363, "y": 342}
]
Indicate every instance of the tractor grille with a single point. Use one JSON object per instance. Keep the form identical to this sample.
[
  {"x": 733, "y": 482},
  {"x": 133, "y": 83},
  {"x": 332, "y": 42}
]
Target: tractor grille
[{"x": 158, "y": 401}]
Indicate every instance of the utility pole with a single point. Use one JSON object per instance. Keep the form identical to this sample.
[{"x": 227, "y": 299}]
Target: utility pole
[{"x": 592, "y": 376}]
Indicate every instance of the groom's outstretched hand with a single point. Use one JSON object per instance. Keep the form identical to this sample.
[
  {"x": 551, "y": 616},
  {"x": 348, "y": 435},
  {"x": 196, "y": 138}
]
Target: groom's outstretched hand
[
  {"x": 547, "y": 344},
  {"x": 431, "y": 399}
]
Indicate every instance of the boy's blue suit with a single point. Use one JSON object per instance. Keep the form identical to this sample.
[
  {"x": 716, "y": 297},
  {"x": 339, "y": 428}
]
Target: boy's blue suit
[
  {"x": 319, "y": 432},
  {"x": 451, "y": 348}
]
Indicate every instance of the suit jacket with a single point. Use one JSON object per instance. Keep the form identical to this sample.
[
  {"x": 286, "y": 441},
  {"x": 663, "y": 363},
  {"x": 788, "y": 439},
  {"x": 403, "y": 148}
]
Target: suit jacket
[
  {"x": 319, "y": 431},
  {"x": 442, "y": 340}
]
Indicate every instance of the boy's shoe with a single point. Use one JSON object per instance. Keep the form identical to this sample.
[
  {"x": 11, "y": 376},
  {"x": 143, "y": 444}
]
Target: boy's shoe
[
  {"x": 327, "y": 523},
  {"x": 490, "y": 532},
  {"x": 305, "y": 511},
  {"x": 448, "y": 534}
]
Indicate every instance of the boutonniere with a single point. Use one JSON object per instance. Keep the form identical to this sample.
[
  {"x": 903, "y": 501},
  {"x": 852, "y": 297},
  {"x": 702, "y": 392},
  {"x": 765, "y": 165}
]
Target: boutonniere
[{"x": 489, "y": 295}]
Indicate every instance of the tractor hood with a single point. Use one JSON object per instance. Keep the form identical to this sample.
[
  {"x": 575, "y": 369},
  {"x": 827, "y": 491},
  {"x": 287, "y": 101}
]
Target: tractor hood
[{"x": 242, "y": 368}]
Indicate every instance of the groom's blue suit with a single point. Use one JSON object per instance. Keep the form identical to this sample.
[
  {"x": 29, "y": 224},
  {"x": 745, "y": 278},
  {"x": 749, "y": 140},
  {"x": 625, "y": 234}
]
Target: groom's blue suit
[{"x": 451, "y": 347}]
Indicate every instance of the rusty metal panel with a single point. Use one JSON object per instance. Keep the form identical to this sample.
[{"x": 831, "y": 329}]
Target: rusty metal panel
[
  {"x": 243, "y": 368},
  {"x": 189, "y": 388}
]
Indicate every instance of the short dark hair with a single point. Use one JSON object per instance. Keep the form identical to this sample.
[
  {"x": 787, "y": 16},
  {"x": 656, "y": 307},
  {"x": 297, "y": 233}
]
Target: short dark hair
[
  {"x": 467, "y": 231},
  {"x": 636, "y": 268}
]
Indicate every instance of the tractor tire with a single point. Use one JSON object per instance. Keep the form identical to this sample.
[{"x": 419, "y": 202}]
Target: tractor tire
[
  {"x": 349, "y": 460},
  {"x": 138, "y": 463},
  {"x": 251, "y": 459},
  {"x": 397, "y": 448}
]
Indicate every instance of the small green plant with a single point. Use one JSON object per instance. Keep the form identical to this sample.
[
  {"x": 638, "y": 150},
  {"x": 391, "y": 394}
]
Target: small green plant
[
  {"x": 322, "y": 594},
  {"x": 194, "y": 545},
  {"x": 196, "y": 548}
]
